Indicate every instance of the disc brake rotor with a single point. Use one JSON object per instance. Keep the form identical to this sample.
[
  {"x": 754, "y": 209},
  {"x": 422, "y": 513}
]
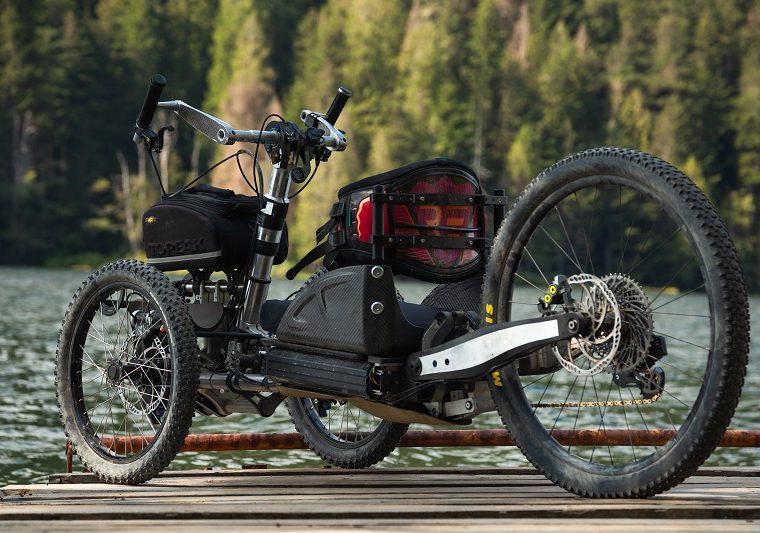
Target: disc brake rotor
[
  {"x": 588, "y": 355},
  {"x": 146, "y": 378}
]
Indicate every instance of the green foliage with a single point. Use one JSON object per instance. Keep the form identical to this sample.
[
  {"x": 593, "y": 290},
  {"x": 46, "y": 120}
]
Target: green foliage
[{"x": 508, "y": 86}]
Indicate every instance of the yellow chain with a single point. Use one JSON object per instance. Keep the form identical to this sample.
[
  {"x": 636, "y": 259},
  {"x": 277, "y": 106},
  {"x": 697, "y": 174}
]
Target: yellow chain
[{"x": 616, "y": 403}]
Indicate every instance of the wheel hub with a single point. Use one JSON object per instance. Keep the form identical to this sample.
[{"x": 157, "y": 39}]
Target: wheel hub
[
  {"x": 593, "y": 352},
  {"x": 143, "y": 381},
  {"x": 115, "y": 372}
]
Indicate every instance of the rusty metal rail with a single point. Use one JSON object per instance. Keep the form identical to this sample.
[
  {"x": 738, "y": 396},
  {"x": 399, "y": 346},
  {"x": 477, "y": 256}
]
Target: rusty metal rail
[{"x": 220, "y": 442}]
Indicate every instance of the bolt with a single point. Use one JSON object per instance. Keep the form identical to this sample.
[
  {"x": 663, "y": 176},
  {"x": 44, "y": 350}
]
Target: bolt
[
  {"x": 468, "y": 405},
  {"x": 377, "y": 272},
  {"x": 297, "y": 175},
  {"x": 422, "y": 198},
  {"x": 572, "y": 325},
  {"x": 376, "y": 308}
]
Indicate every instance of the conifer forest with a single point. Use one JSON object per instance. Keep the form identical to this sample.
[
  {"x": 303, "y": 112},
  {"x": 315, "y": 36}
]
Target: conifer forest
[{"x": 507, "y": 86}]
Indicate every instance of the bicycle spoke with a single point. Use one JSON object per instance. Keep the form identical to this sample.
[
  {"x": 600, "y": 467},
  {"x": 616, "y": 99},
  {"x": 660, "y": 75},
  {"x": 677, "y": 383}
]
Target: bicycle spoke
[
  {"x": 682, "y": 340},
  {"x": 567, "y": 236},
  {"x": 561, "y": 249},
  {"x": 692, "y": 291}
]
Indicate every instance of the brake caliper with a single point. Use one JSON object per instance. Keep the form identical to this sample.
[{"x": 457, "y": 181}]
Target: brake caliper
[{"x": 558, "y": 293}]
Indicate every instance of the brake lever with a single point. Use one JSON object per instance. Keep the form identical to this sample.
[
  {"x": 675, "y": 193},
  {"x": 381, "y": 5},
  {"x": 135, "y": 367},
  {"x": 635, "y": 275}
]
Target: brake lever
[
  {"x": 154, "y": 141},
  {"x": 159, "y": 141}
]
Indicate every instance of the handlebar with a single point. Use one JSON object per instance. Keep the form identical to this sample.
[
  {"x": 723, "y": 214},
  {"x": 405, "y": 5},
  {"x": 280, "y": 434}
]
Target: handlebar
[
  {"x": 221, "y": 132},
  {"x": 157, "y": 84},
  {"x": 337, "y": 105}
]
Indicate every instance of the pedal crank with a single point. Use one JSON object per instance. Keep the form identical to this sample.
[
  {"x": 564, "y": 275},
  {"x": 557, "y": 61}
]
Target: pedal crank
[{"x": 473, "y": 355}]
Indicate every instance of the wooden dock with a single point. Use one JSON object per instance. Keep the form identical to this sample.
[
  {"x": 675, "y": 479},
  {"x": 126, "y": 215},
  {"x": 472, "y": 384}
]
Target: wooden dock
[{"x": 379, "y": 499}]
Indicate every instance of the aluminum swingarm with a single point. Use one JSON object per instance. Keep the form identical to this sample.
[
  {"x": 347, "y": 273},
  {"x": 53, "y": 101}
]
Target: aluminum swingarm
[{"x": 473, "y": 355}]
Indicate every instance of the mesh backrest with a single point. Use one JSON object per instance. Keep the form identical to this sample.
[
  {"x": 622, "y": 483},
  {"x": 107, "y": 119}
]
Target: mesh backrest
[{"x": 438, "y": 220}]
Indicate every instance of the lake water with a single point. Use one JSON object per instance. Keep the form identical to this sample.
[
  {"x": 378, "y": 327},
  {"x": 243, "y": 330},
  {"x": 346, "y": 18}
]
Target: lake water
[{"x": 32, "y": 441}]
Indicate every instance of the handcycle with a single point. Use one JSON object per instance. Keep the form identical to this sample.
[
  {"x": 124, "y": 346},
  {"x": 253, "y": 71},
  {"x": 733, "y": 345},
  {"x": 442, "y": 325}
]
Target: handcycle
[{"x": 603, "y": 315}]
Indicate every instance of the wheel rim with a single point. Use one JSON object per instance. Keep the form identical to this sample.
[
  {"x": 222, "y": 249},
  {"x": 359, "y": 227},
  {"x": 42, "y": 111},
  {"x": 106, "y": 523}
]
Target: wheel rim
[
  {"x": 121, "y": 372},
  {"x": 345, "y": 424},
  {"x": 619, "y": 231}
]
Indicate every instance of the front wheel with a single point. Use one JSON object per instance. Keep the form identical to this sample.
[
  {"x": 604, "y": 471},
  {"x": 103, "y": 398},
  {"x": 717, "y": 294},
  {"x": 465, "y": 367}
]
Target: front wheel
[
  {"x": 127, "y": 372},
  {"x": 655, "y": 386}
]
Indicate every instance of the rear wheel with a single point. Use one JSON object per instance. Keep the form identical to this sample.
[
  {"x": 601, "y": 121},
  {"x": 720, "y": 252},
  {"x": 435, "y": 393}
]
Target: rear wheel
[
  {"x": 127, "y": 372},
  {"x": 655, "y": 390},
  {"x": 343, "y": 434}
]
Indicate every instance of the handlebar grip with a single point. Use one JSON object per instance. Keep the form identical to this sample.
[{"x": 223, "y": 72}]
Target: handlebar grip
[
  {"x": 157, "y": 83},
  {"x": 337, "y": 105}
]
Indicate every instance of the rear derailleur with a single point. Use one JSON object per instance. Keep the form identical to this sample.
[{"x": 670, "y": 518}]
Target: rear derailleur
[{"x": 648, "y": 378}]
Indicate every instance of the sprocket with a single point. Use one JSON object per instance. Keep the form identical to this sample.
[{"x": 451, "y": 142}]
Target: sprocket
[{"x": 637, "y": 325}]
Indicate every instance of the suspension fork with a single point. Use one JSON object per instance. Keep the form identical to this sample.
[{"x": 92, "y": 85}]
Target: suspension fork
[
  {"x": 270, "y": 223},
  {"x": 291, "y": 145}
]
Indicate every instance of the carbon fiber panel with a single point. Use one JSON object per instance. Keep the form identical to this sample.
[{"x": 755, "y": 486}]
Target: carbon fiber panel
[{"x": 334, "y": 311}]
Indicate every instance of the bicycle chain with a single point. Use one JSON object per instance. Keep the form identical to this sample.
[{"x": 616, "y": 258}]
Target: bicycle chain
[{"x": 614, "y": 403}]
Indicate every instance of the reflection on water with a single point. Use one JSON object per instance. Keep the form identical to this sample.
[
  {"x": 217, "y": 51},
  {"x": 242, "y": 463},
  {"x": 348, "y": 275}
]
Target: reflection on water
[{"x": 32, "y": 441}]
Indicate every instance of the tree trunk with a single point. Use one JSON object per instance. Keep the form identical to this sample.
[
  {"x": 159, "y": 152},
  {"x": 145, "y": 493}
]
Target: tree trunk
[
  {"x": 142, "y": 193},
  {"x": 195, "y": 157},
  {"x": 128, "y": 210},
  {"x": 170, "y": 139},
  {"x": 22, "y": 161}
]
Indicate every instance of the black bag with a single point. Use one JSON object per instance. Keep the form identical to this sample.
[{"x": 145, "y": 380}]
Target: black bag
[
  {"x": 434, "y": 227},
  {"x": 203, "y": 227}
]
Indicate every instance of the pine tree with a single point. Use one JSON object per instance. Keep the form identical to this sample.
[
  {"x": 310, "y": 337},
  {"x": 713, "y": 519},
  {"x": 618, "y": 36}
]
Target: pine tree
[
  {"x": 492, "y": 22},
  {"x": 742, "y": 203},
  {"x": 241, "y": 81}
]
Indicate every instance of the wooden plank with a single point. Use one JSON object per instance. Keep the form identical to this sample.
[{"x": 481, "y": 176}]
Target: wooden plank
[
  {"x": 81, "y": 477},
  {"x": 729, "y": 471},
  {"x": 412, "y": 497},
  {"x": 351, "y": 481},
  {"x": 327, "y": 509},
  {"x": 342, "y": 490},
  {"x": 397, "y": 486},
  {"x": 534, "y": 525},
  {"x": 110, "y": 491},
  {"x": 469, "y": 492},
  {"x": 429, "y": 502}
]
